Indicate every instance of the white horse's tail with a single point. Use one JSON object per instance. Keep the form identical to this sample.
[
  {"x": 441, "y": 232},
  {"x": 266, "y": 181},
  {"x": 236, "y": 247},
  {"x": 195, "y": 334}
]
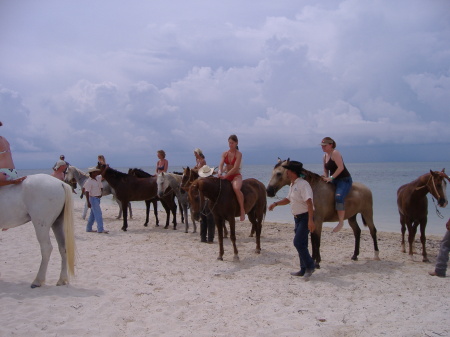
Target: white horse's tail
[{"x": 69, "y": 230}]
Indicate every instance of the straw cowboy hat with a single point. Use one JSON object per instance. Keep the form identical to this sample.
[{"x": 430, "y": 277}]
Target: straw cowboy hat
[
  {"x": 198, "y": 151},
  {"x": 205, "y": 171},
  {"x": 93, "y": 169}
]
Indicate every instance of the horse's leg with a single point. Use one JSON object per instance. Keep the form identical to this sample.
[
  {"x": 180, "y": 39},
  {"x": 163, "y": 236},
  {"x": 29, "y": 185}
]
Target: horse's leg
[
  {"x": 155, "y": 211},
  {"x": 357, "y": 233},
  {"x": 256, "y": 228},
  {"x": 131, "y": 211},
  {"x": 423, "y": 239},
  {"x": 43, "y": 236},
  {"x": 125, "y": 215},
  {"x": 181, "y": 208},
  {"x": 58, "y": 230},
  {"x": 315, "y": 243},
  {"x": 147, "y": 211},
  {"x": 403, "y": 230},
  {"x": 232, "y": 223},
  {"x": 368, "y": 221},
  {"x": 225, "y": 230},
  {"x": 85, "y": 210},
  {"x": 174, "y": 212},
  {"x": 412, "y": 229},
  {"x": 167, "y": 209},
  {"x": 120, "y": 208},
  {"x": 220, "y": 223}
]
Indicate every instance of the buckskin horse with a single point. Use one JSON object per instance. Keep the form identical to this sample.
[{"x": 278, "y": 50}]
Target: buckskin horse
[
  {"x": 224, "y": 206},
  {"x": 47, "y": 203},
  {"x": 359, "y": 200},
  {"x": 412, "y": 205}
]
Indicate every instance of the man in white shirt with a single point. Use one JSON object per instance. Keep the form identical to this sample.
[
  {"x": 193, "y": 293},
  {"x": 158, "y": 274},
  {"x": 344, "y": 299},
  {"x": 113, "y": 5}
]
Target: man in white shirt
[
  {"x": 93, "y": 189},
  {"x": 300, "y": 197}
]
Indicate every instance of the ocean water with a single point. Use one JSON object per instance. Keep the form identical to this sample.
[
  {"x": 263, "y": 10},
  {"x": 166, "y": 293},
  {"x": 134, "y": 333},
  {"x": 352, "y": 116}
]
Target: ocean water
[{"x": 382, "y": 178}]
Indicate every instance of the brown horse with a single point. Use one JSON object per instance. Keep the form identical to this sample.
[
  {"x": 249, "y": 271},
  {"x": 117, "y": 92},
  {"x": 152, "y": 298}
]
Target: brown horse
[
  {"x": 359, "y": 200},
  {"x": 165, "y": 201},
  {"x": 130, "y": 188},
  {"x": 412, "y": 205},
  {"x": 224, "y": 206}
]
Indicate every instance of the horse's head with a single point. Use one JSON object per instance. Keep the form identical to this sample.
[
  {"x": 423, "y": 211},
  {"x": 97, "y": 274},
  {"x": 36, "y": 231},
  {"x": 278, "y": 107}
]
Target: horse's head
[
  {"x": 437, "y": 186},
  {"x": 196, "y": 199},
  {"x": 163, "y": 183},
  {"x": 189, "y": 175},
  {"x": 279, "y": 178}
]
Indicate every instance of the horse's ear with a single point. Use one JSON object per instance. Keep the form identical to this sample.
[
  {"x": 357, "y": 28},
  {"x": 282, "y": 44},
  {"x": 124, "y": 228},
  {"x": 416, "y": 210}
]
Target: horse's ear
[
  {"x": 279, "y": 160},
  {"x": 288, "y": 160},
  {"x": 443, "y": 170}
]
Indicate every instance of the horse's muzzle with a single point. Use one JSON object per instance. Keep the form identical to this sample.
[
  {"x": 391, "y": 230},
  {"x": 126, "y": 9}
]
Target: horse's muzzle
[
  {"x": 270, "y": 191},
  {"x": 442, "y": 202}
]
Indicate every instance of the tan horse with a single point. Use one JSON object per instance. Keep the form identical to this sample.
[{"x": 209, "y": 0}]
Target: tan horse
[
  {"x": 224, "y": 206},
  {"x": 358, "y": 200},
  {"x": 412, "y": 205}
]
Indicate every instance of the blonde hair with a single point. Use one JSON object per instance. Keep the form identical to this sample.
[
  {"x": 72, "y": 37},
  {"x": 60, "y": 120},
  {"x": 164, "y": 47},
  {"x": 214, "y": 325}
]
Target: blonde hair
[{"x": 162, "y": 153}]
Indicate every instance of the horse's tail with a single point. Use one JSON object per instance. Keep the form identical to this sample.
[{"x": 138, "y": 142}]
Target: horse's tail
[{"x": 69, "y": 230}]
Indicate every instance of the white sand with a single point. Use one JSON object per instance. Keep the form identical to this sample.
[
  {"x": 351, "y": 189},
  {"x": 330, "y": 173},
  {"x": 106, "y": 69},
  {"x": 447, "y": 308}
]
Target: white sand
[{"x": 154, "y": 281}]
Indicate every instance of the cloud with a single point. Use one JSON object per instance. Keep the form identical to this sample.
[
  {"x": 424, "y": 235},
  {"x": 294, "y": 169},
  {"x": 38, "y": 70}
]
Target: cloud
[{"x": 282, "y": 75}]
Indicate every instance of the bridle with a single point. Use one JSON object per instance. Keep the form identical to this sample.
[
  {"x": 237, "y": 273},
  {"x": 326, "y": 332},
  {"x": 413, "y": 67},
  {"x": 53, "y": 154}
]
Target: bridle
[{"x": 439, "y": 214}]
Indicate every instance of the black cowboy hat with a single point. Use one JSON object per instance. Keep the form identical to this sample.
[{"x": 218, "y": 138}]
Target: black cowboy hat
[{"x": 294, "y": 166}]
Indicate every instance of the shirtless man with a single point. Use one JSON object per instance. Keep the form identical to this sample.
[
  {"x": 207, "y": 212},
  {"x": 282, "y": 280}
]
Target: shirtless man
[
  {"x": 59, "y": 170},
  {"x": 8, "y": 173}
]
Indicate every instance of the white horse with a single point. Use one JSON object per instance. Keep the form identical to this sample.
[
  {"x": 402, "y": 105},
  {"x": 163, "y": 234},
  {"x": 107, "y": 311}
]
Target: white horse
[
  {"x": 172, "y": 180},
  {"x": 80, "y": 177},
  {"x": 47, "y": 202}
]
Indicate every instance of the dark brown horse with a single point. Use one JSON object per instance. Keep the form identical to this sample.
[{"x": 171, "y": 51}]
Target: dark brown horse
[
  {"x": 130, "y": 188},
  {"x": 224, "y": 206},
  {"x": 165, "y": 202},
  {"x": 412, "y": 205},
  {"x": 359, "y": 200}
]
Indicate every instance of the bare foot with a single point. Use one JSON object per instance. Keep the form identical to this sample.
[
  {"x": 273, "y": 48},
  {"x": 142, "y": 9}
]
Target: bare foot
[{"x": 338, "y": 227}]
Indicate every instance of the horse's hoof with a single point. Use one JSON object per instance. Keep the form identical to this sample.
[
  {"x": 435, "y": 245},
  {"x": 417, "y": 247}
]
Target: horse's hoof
[
  {"x": 124, "y": 229},
  {"x": 156, "y": 225},
  {"x": 186, "y": 231},
  {"x": 258, "y": 251},
  {"x": 220, "y": 258},
  {"x": 425, "y": 259},
  {"x": 165, "y": 227},
  {"x": 354, "y": 258},
  {"x": 145, "y": 225},
  {"x": 236, "y": 258},
  {"x": 35, "y": 286},
  {"x": 317, "y": 265},
  {"x": 174, "y": 228}
]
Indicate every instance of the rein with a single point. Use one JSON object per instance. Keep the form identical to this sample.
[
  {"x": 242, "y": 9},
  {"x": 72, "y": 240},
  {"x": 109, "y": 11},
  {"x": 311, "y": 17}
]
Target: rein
[
  {"x": 439, "y": 214},
  {"x": 426, "y": 185}
]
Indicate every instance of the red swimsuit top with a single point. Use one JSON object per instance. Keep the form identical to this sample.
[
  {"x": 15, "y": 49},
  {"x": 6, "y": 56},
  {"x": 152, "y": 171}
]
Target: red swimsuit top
[{"x": 227, "y": 162}]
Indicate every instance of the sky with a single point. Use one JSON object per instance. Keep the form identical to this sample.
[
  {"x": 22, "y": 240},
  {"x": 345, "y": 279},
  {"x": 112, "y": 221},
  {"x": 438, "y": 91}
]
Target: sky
[{"x": 125, "y": 79}]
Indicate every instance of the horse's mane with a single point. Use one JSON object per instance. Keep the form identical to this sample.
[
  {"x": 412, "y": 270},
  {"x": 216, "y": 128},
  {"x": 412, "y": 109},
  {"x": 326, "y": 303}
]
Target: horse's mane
[
  {"x": 117, "y": 174},
  {"x": 141, "y": 171},
  {"x": 310, "y": 176}
]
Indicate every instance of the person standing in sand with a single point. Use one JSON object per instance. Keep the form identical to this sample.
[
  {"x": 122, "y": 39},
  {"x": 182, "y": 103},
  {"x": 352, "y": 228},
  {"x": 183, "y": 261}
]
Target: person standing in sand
[
  {"x": 442, "y": 258},
  {"x": 232, "y": 159},
  {"x": 207, "y": 225},
  {"x": 8, "y": 173},
  {"x": 336, "y": 173},
  {"x": 300, "y": 197},
  {"x": 93, "y": 188}
]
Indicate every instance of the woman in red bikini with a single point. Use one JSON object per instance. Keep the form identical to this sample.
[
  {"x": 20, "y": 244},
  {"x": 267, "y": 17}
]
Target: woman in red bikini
[{"x": 232, "y": 172}]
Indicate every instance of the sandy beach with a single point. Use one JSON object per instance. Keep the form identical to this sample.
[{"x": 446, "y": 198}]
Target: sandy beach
[{"x": 154, "y": 281}]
